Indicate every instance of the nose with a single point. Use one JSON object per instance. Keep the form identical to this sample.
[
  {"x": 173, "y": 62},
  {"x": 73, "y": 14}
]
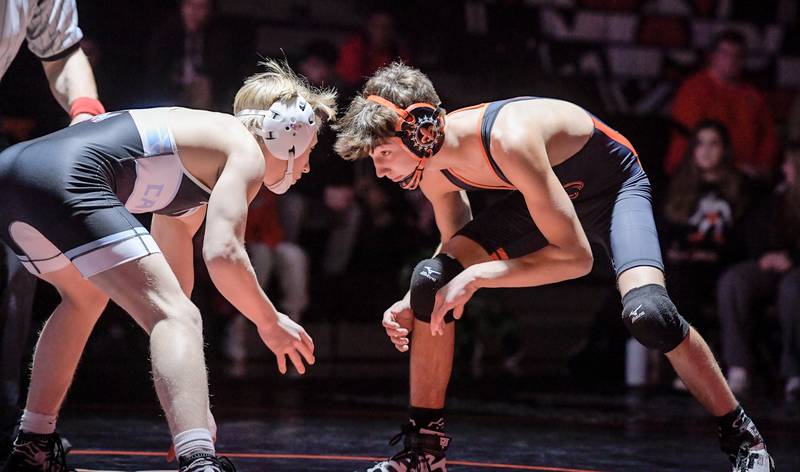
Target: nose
[{"x": 380, "y": 171}]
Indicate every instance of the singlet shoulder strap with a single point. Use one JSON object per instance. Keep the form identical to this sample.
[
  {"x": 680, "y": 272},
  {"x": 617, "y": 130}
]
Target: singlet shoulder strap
[{"x": 489, "y": 117}]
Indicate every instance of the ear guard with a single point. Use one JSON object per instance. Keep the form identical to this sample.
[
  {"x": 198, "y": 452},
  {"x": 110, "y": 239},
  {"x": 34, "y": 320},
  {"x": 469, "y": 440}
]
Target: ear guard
[{"x": 420, "y": 127}]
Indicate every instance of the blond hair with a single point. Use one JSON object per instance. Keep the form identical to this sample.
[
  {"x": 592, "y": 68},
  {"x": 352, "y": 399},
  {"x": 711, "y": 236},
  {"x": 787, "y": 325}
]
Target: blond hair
[
  {"x": 279, "y": 82},
  {"x": 367, "y": 124}
]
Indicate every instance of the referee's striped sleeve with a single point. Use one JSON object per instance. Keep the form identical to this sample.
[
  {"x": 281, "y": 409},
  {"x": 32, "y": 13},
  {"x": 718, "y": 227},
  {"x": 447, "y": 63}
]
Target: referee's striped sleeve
[{"x": 53, "y": 29}]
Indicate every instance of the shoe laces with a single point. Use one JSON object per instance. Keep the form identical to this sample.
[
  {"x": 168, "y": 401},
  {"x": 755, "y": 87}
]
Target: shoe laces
[
  {"x": 55, "y": 457},
  {"x": 411, "y": 456},
  {"x": 201, "y": 462}
]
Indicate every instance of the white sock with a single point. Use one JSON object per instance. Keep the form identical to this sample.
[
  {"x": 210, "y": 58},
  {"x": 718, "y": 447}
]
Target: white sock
[
  {"x": 193, "y": 441},
  {"x": 38, "y": 423}
]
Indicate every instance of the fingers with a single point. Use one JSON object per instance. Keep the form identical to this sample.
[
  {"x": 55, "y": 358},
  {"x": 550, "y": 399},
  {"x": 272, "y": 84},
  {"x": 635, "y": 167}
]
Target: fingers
[
  {"x": 400, "y": 343},
  {"x": 297, "y": 362},
  {"x": 436, "y": 324},
  {"x": 281, "y": 363},
  {"x": 307, "y": 340},
  {"x": 393, "y": 328},
  {"x": 458, "y": 311},
  {"x": 436, "y": 314},
  {"x": 396, "y": 332},
  {"x": 307, "y": 353}
]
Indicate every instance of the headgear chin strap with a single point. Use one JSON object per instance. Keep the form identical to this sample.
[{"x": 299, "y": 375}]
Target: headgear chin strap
[
  {"x": 420, "y": 127},
  {"x": 287, "y": 129}
]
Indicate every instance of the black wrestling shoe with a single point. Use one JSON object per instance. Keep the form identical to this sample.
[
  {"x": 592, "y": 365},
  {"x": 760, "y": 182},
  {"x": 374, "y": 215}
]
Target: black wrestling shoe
[
  {"x": 203, "y": 462},
  {"x": 37, "y": 453},
  {"x": 424, "y": 451}
]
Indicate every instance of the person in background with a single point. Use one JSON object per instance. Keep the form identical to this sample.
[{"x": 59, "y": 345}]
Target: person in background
[
  {"x": 718, "y": 92},
  {"x": 374, "y": 47},
  {"x": 323, "y": 203},
  {"x": 771, "y": 273},
  {"x": 269, "y": 254},
  {"x": 188, "y": 58},
  {"x": 706, "y": 198}
]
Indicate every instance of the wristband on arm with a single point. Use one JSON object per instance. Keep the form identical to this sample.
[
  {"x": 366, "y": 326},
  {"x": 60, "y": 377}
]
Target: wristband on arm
[{"x": 89, "y": 105}]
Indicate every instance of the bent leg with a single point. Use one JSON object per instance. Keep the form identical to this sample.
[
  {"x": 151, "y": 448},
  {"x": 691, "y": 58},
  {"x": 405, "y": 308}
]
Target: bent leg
[
  {"x": 691, "y": 358},
  {"x": 63, "y": 339},
  {"x": 149, "y": 291},
  {"x": 432, "y": 357}
]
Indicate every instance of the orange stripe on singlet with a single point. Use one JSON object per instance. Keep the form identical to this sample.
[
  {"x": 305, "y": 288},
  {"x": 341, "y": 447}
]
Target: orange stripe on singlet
[
  {"x": 483, "y": 151},
  {"x": 483, "y": 186},
  {"x": 500, "y": 255},
  {"x": 614, "y": 134}
]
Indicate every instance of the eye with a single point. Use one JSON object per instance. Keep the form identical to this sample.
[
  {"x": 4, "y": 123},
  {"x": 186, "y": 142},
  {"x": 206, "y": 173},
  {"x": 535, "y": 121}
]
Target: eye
[{"x": 386, "y": 153}]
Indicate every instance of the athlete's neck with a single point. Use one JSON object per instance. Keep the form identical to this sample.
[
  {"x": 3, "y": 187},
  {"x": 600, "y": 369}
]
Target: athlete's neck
[{"x": 461, "y": 143}]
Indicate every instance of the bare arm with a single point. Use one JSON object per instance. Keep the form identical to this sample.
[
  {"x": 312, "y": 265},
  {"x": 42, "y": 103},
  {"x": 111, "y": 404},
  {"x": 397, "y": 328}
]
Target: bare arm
[
  {"x": 71, "y": 77},
  {"x": 452, "y": 212},
  {"x": 451, "y": 209},
  {"x": 174, "y": 238},
  {"x": 223, "y": 247},
  {"x": 568, "y": 254}
]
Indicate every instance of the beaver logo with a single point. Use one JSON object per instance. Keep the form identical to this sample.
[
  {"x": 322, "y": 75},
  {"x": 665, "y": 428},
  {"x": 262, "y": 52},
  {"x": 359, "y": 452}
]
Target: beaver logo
[{"x": 573, "y": 189}]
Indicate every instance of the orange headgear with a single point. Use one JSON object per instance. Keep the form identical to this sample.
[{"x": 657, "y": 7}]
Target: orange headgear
[{"x": 420, "y": 127}]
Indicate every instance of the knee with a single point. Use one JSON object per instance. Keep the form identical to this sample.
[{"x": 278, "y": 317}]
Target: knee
[
  {"x": 184, "y": 314},
  {"x": 86, "y": 299},
  {"x": 652, "y": 318},
  {"x": 428, "y": 277}
]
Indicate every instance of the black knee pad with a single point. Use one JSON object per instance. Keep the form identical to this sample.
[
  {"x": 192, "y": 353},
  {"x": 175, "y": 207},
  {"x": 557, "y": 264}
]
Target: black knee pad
[
  {"x": 652, "y": 318},
  {"x": 429, "y": 276}
]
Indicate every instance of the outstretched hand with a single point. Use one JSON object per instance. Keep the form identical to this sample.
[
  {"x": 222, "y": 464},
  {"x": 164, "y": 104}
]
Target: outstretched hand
[{"x": 287, "y": 338}]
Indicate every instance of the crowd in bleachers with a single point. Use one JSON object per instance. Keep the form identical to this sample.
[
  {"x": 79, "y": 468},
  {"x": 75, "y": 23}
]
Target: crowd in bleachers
[{"x": 726, "y": 159}]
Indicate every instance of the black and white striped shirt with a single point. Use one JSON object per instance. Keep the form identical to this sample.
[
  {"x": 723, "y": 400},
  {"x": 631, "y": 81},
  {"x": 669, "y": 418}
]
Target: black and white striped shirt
[{"x": 50, "y": 26}]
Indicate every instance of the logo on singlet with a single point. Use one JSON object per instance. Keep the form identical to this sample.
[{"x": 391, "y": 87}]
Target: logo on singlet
[
  {"x": 573, "y": 189},
  {"x": 151, "y": 192}
]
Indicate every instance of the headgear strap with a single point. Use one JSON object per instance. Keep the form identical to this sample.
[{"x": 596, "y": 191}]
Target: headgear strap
[{"x": 420, "y": 127}]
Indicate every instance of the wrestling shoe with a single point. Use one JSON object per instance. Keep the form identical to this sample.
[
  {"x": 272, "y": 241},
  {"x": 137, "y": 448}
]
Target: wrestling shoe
[
  {"x": 423, "y": 451},
  {"x": 749, "y": 460},
  {"x": 37, "y": 453},
  {"x": 743, "y": 444},
  {"x": 203, "y": 462}
]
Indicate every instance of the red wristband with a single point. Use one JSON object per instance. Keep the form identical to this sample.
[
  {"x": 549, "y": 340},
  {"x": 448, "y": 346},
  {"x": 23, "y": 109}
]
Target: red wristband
[{"x": 89, "y": 105}]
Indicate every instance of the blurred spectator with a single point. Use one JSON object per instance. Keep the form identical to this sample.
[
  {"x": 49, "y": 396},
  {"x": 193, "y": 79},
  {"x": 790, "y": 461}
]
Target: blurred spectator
[
  {"x": 772, "y": 273},
  {"x": 269, "y": 254},
  {"x": 376, "y": 46},
  {"x": 323, "y": 202},
  {"x": 718, "y": 92},
  {"x": 793, "y": 133},
  {"x": 187, "y": 62},
  {"x": 705, "y": 200}
]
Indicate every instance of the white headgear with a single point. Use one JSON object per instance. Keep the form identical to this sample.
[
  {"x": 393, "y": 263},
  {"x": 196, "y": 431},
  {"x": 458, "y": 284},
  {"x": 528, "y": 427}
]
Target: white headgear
[{"x": 287, "y": 129}]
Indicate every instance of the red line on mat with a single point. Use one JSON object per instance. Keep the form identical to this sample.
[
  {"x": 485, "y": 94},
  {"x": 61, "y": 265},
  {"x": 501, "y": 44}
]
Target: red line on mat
[{"x": 322, "y": 457}]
